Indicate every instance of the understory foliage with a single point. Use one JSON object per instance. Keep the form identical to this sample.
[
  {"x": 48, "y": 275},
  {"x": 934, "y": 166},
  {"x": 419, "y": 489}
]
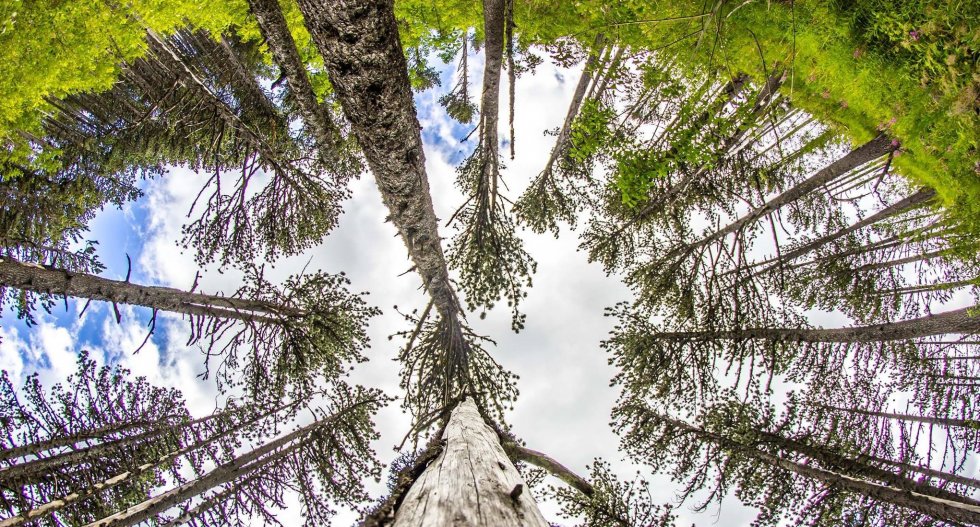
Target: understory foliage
[{"x": 749, "y": 169}]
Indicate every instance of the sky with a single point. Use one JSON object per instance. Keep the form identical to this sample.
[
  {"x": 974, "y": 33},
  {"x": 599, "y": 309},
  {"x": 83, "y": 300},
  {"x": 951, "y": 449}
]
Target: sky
[{"x": 565, "y": 398}]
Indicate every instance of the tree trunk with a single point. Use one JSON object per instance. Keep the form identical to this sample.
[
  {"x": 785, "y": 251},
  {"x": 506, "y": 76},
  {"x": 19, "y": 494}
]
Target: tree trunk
[
  {"x": 40, "y": 447},
  {"x": 493, "y": 46},
  {"x": 142, "y": 470},
  {"x": 972, "y": 424},
  {"x": 913, "y": 201},
  {"x": 865, "y": 153},
  {"x": 959, "y": 321},
  {"x": 901, "y": 261},
  {"x": 861, "y": 466},
  {"x": 564, "y": 135},
  {"x": 363, "y": 57},
  {"x": 274, "y": 29},
  {"x": 49, "y": 280},
  {"x": 471, "y": 483},
  {"x": 952, "y": 511}
]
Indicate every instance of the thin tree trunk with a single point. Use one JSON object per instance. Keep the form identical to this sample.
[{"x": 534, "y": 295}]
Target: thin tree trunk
[
  {"x": 942, "y": 509},
  {"x": 901, "y": 261},
  {"x": 18, "y": 472},
  {"x": 240, "y": 466},
  {"x": 565, "y": 134},
  {"x": 959, "y": 321},
  {"x": 36, "y": 449},
  {"x": 49, "y": 280},
  {"x": 493, "y": 47},
  {"x": 54, "y": 506},
  {"x": 363, "y": 57},
  {"x": 923, "y": 195},
  {"x": 221, "y": 475},
  {"x": 938, "y": 474},
  {"x": 472, "y": 482},
  {"x": 865, "y": 153},
  {"x": 869, "y": 151},
  {"x": 860, "y": 467},
  {"x": 274, "y": 29},
  {"x": 972, "y": 424}
]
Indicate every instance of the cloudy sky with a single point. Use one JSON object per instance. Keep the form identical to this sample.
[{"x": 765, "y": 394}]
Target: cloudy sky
[{"x": 565, "y": 399}]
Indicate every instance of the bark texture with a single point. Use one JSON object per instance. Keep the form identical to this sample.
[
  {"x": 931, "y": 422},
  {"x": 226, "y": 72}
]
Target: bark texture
[
  {"x": 471, "y": 483},
  {"x": 363, "y": 57}
]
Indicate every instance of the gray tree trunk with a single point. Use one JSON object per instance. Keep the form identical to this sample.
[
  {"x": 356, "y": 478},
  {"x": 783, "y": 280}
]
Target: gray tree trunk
[
  {"x": 952, "y": 511},
  {"x": 54, "y": 281},
  {"x": 865, "y": 153},
  {"x": 959, "y": 321},
  {"x": 923, "y": 195},
  {"x": 471, "y": 483}
]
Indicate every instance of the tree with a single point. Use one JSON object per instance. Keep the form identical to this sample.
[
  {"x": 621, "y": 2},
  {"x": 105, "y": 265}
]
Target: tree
[{"x": 89, "y": 471}]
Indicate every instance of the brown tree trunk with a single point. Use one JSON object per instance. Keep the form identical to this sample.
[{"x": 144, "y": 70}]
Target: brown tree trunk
[
  {"x": 472, "y": 482},
  {"x": 363, "y": 57},
  {"x": 950, "y": 322}
]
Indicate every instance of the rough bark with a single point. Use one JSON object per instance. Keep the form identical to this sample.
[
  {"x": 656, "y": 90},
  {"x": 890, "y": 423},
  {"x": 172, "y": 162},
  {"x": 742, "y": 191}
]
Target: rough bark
[
  {"x": 472, "y": 482},
  {"x": 959, "y": 321},
  {"x": 494, "y": 17},
  {"x": 274, "y": 29},
  {"x": 50, "y": 280},
  {"x": 363, "y": 57}
]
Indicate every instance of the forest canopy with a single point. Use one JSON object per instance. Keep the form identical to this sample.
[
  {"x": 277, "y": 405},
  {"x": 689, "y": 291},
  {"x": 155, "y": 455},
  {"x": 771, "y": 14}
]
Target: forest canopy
[{"x": 788, "y": 194}]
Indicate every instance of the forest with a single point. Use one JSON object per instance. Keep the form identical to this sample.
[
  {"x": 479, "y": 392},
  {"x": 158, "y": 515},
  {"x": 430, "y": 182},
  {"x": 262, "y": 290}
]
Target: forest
[{"x": 489, "y": 263}]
